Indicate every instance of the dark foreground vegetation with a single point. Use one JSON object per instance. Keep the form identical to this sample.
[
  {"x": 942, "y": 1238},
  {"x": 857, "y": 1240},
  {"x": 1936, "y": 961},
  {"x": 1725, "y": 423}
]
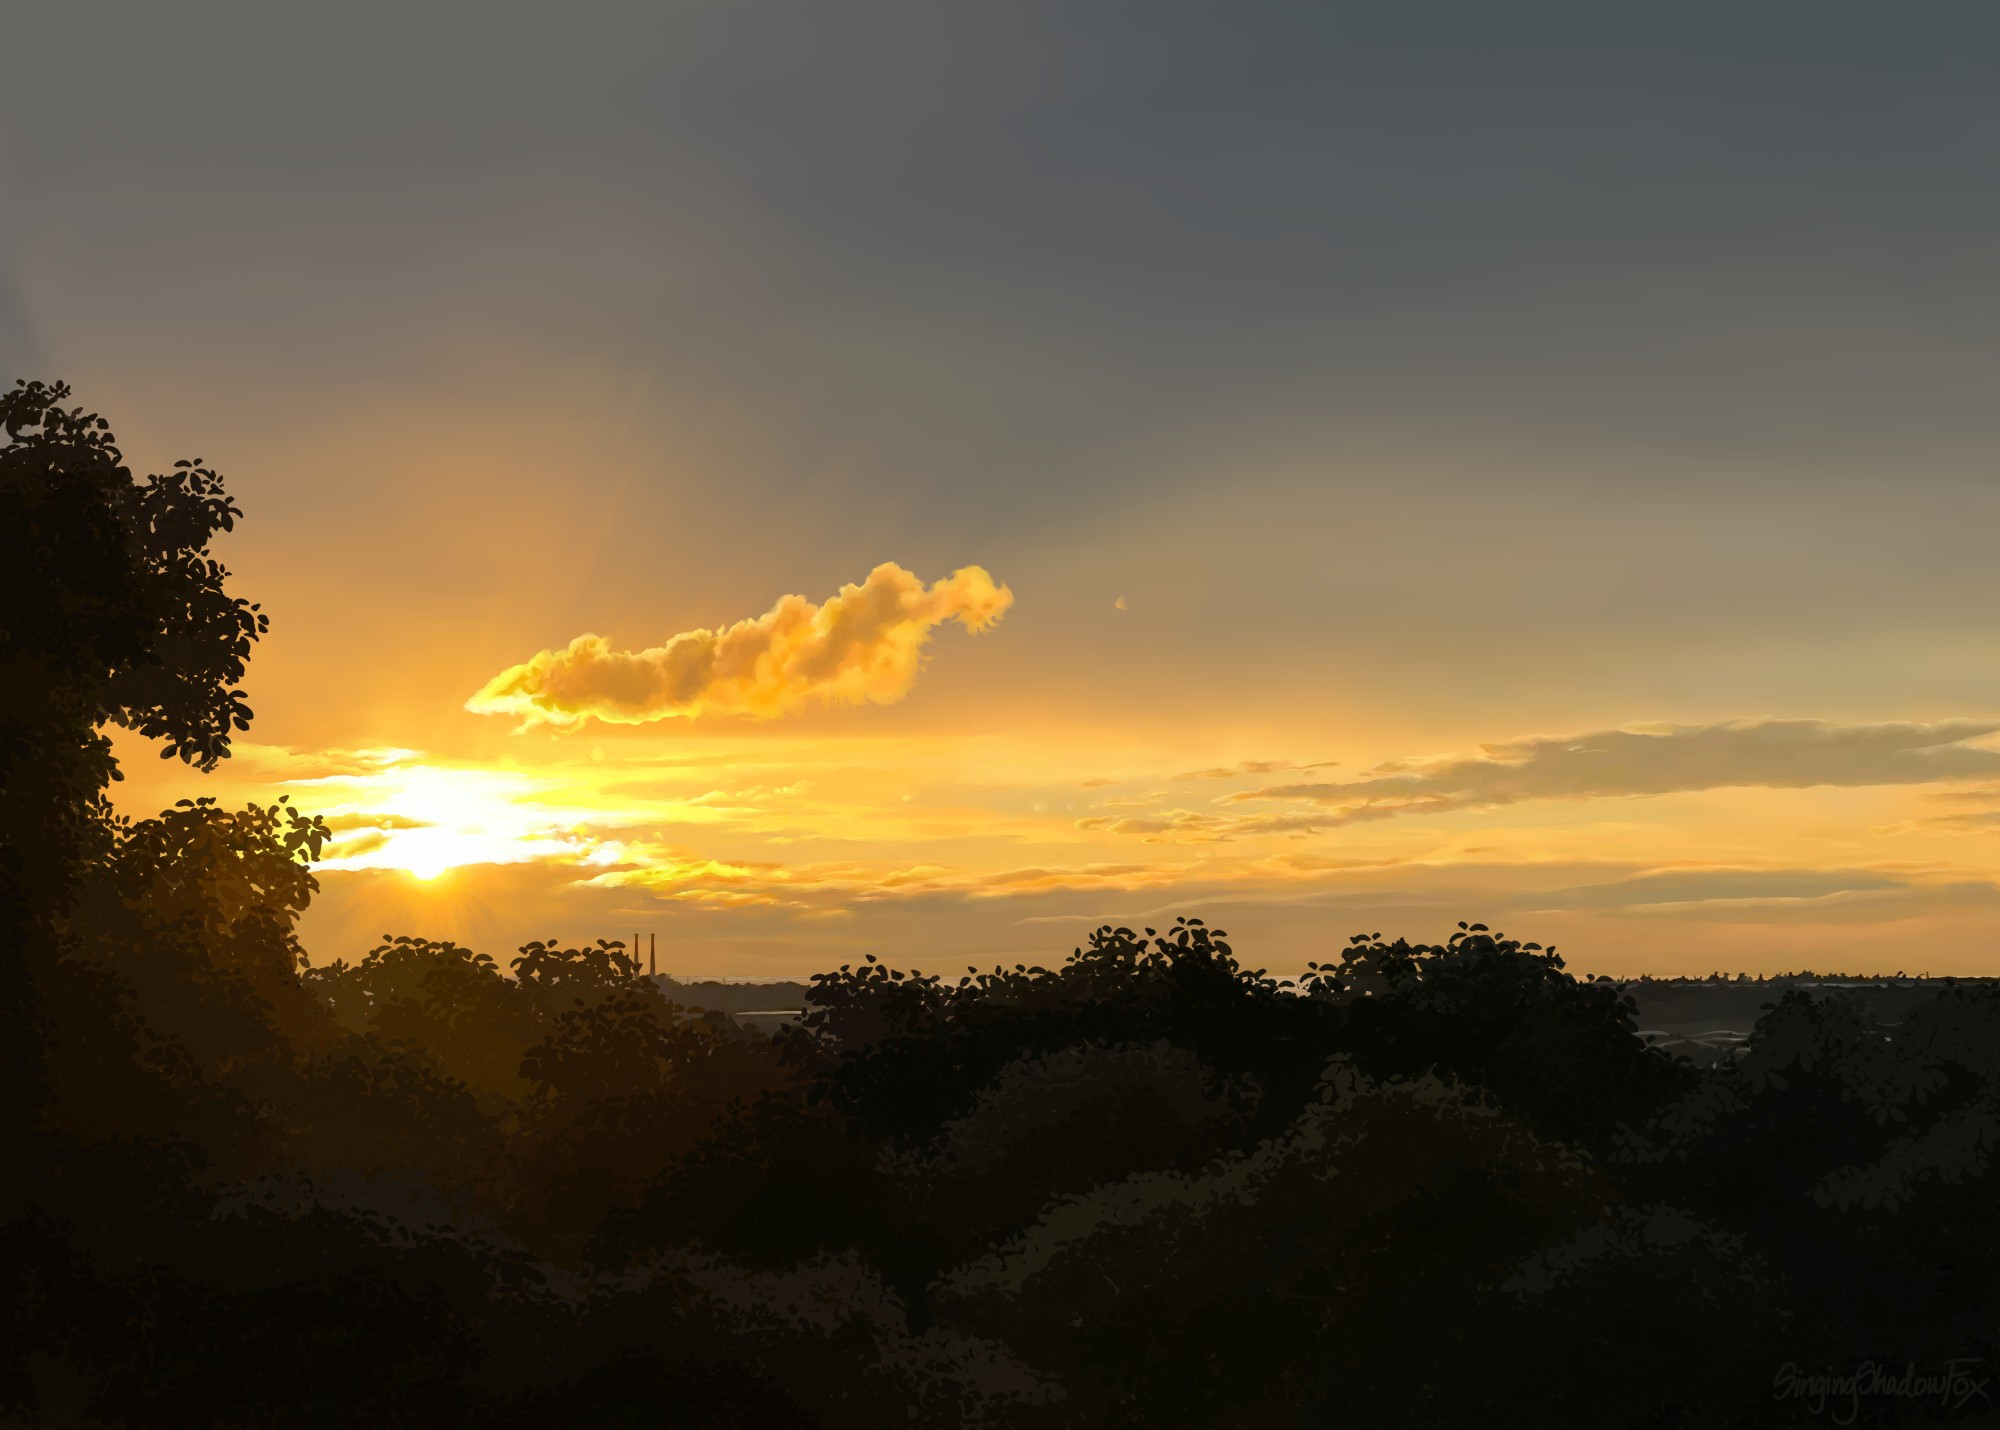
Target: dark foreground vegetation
[{"x": 1147, "y": 1186}]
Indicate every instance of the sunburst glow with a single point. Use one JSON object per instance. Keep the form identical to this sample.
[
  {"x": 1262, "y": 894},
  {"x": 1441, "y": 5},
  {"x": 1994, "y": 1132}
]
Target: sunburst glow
[{"x": 427, "y": 821}]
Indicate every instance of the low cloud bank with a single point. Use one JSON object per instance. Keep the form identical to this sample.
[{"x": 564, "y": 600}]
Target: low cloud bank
[{"x": 1664, "y": 759}]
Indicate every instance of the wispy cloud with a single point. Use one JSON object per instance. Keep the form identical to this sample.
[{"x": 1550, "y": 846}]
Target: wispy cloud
[
  {"x": 1971, "y": 821},
  {"x": 863, "y": 644},
  {"x": 687, "y": 877},
  {"x": 1133, "y": 801},
  {"x": 1251, "y": 767},
  {"x": 1669, "y": 888},
  {"x": 1976, "y": 810},
  {"x": 1188, "y": 826},
  {"x": 305, "y": 767},
  {"x": 1975, "y": 794},
  {"x": 1764, "y": 896},
  {"x": 1662, "y": 759},
  {"x": 372, "y": 820}
]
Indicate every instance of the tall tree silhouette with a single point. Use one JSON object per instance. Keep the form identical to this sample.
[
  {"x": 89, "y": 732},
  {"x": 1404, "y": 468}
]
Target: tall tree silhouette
[{"x": 112, "y": 612}]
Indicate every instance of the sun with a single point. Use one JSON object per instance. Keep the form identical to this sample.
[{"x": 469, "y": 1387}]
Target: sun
[
  {"x": 427, "y": 821},
  {"x": 424, "y": 869}
]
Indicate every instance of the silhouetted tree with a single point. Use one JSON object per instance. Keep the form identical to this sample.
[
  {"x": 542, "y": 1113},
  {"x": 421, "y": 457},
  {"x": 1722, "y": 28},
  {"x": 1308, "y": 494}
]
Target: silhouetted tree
[
  {"x": 111, "y": 612},
  {"x": 1502, "y": 1015}
]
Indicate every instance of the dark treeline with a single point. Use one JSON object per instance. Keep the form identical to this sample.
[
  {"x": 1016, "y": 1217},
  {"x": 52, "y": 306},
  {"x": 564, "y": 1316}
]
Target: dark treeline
[{"x": 1422, "y": 1185}]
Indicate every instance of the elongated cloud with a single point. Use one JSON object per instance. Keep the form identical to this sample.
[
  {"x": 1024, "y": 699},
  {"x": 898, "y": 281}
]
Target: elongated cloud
[
  {"x": 1252, "y": 767},
  {"x": 1663, "y": 759},
  {"x": 1186, "y": 826},
  {"x": 866, "y": 643}
]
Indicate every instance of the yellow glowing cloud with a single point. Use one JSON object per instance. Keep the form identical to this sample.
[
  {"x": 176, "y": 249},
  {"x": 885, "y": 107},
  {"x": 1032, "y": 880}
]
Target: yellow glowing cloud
[{"x": 864, "y": 644}]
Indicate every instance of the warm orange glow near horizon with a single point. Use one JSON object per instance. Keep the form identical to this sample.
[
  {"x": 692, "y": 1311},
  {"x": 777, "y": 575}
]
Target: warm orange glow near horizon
[{"x": 1760, "y": 845}]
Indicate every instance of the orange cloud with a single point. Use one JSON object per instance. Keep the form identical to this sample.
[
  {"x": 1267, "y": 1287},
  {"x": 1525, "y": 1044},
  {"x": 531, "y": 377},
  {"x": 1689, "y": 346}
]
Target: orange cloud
[{"x": 864, "y": 644}]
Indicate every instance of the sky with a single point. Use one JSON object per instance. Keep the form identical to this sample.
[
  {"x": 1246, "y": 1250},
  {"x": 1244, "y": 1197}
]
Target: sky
[{"x": 801, "y": 481}]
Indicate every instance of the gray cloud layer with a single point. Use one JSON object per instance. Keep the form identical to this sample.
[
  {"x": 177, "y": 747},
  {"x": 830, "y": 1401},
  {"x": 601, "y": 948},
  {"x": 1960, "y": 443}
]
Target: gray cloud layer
[{"x": 1599, "y": 764}]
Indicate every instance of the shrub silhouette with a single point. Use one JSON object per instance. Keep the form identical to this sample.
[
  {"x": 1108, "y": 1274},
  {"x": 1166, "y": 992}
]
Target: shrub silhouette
[{"x": 1503, "y": 1015}]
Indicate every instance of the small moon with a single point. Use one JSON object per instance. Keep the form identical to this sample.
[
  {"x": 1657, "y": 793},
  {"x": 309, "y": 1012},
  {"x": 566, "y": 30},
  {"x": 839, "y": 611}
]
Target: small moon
[{"x": 1119, "y": 603}]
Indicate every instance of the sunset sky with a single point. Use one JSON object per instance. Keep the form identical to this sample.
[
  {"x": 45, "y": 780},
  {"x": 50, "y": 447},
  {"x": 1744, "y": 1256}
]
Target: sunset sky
[{"x": 928, "y": 479}]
